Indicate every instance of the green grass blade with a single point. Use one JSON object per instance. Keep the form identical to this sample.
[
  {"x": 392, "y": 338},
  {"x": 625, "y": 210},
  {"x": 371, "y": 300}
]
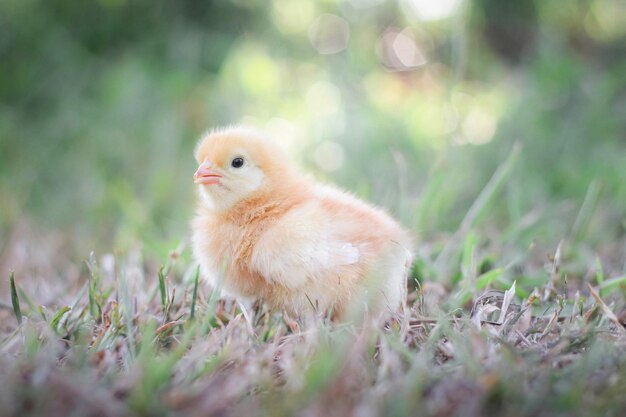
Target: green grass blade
[
  {"x": 488, "y": 277},
  {"x": 94, "y": 308},
  {"x": 162, "y": 288},
  {"x": 15, "y": 300},
  {"x": 195, "y": 294},
  {"x": 599, "y": 272},
  {"x": 57, "y": 317},
  {"x": 92, "y": 299},
  {"x": 466, "y": 292},
  {"x": 26, "y": 299},
  {"x": 207, "y": 321},
  {"x": 450, "y": 250},
  {"x": 468, "y": 262},
  {"x": 126, "y": 303},
  {"x": 592, "y": 197},
  {"x": 610, "y": 285},
  {"x": 42, "y": 313}
]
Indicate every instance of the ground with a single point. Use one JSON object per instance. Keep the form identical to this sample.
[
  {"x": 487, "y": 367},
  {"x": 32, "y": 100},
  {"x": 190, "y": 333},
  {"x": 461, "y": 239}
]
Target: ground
[{"x": 137, "y": 341}]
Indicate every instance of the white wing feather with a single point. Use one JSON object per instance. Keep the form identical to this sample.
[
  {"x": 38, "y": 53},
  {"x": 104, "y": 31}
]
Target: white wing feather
[{"x": 300, "y": 248}]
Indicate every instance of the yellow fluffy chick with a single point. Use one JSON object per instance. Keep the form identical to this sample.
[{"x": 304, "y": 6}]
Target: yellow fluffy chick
[{"x": 264, "y": 230}]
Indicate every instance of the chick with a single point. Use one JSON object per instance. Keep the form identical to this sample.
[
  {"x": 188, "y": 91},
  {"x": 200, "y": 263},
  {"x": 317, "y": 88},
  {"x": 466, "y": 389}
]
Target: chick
[{"x": 264, "y": 230}]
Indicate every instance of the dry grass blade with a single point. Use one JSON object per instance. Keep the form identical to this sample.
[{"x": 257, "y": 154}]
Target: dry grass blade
[
  {"x": 169, "y": 325},
  {"x": 247, "y": 316},
  {"x": 607, "y": 311},
  {"x": 506, "y": 302},
  {"x": 555, "y": 273},
  {"x": 553, "y": 319}
]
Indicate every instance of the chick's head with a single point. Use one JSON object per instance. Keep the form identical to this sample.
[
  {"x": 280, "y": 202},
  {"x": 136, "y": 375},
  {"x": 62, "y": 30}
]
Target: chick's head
[{"x": 238, "y": 163}]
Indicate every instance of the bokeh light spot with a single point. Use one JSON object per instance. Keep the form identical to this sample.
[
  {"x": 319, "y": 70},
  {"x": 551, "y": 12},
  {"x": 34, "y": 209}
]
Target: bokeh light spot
[
  {"x": 329, "y": 34},
  {"x": 257, "y": 72},
  {"x": 284, "y": 133},
  {"x": 365, "y": 4},
  {"x": 292, "y": 16},
  {"x": 323, "y": 98},
  {"x": 479, "y": 126},
  {"x": 399, "y": 51},
  {"x": 429, "y": 10},
  {"x": 606, "y": 20},
  {"x": 329, "y": 156}
]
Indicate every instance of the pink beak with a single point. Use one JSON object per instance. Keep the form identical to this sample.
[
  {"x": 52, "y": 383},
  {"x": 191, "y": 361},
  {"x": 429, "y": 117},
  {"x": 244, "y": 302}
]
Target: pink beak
[{"x": 205, "y": 175}]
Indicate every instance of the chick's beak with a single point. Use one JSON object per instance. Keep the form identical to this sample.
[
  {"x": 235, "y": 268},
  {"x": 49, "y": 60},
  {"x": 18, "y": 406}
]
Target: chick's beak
[{"x": 206, "y": 174}]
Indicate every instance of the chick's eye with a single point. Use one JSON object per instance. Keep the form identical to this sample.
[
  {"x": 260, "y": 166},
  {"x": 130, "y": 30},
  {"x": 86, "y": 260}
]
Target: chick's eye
[{"x": 237, "y": 162}]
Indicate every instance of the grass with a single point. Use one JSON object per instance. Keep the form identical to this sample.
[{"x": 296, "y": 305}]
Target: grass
[
  {"x": 522, "y": 338},
  {"x": 15, "y": 301}
]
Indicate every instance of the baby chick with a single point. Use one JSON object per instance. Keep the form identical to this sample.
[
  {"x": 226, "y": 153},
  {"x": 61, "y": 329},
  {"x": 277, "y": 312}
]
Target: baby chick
[{"x": 264, "y": 230}]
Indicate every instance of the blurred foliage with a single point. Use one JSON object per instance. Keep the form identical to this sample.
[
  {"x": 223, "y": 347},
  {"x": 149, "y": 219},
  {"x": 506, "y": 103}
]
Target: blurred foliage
[{"x": 412, "y": 104}]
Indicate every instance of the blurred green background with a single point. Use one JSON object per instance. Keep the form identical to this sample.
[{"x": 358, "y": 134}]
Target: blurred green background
[{"x": 411, "y": 104}]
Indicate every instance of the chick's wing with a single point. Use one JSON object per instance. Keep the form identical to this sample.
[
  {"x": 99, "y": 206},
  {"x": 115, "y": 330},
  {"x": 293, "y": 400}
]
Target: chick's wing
[{"x": 301, "y": 246}]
